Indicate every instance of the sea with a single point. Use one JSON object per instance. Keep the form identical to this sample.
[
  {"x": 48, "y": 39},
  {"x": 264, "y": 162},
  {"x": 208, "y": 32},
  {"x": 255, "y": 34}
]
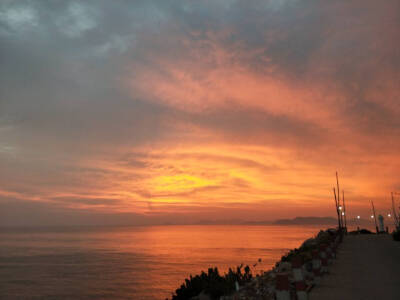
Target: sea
[{"x": 133, "y": 262}]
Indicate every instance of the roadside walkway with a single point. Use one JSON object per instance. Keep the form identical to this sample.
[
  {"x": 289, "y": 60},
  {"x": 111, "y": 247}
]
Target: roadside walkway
[{"x": 367, "y": 268}]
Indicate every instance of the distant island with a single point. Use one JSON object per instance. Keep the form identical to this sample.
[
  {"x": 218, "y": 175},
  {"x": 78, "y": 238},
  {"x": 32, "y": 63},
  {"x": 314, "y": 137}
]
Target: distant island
[{"x": 307, "y": 221}]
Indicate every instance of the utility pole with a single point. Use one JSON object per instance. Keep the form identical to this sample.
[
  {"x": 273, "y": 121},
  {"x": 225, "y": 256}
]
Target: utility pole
[
  {"x": 337, "y": 209},
  {"x": 395, "y": 216},
  {"x": 338, "y": 200},
  {"x": 344, "y": 212},
  {"x": 373, "y": 210},
  {"x": 338, "y": 192}
]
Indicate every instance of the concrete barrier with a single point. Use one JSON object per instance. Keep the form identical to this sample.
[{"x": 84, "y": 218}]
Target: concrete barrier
[
  {"x": 299, "y": 280},
  {"x": 324, "y": 259},
  {"x": 316, "y": 263},
  {"x": 282, "y": 290}
]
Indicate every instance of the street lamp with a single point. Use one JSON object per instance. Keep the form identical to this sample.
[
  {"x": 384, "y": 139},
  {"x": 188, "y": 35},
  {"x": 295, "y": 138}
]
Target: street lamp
[
  {"x": 372, "y": 217},
  {"x": 358, "y": 217}
]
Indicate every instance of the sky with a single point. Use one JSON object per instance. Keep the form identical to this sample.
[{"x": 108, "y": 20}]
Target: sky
[{"x": 154, "y": 112}]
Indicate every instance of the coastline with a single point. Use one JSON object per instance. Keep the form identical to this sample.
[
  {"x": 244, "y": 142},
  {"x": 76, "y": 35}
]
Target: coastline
[
  {"x": 311, "y": 259},
  {"x": 368, "y": 268}
]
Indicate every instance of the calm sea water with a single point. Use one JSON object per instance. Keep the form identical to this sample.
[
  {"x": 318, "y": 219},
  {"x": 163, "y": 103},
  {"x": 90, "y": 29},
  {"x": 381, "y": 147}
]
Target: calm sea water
[{"x": 130, "y": 262}]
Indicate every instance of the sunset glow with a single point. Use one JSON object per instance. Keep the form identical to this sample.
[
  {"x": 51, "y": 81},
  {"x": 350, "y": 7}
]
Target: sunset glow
[{"x": 198, "y": 111}]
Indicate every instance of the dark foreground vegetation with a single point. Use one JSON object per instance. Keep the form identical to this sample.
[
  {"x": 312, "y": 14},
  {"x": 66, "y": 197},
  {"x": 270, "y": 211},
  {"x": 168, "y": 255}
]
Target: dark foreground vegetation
[{"x": 212, "y": 283}]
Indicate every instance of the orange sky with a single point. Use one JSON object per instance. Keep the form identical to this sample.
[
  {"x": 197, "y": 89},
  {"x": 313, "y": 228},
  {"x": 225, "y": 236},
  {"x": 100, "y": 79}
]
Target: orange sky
[{"x": 160, "y": 113}]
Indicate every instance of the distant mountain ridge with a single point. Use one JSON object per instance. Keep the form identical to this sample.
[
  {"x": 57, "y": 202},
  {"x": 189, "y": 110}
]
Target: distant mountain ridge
[{"x": 307, "y": 221}]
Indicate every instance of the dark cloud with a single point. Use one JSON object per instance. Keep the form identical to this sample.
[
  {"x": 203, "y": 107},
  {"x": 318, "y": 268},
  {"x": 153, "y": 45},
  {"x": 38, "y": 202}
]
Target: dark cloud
[
  {"x": 16, "y": 212},
  {"x": 260, "y": 127},
  {"x": 62, "y": 61},
  {"x": 87, "y": 201}
]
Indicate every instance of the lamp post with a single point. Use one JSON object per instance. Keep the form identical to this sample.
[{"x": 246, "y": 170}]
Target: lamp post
[
  {"x": 387, "y": 227},
  {"x": 358, "y": 223},
  {"x": 373, "y": 216}
]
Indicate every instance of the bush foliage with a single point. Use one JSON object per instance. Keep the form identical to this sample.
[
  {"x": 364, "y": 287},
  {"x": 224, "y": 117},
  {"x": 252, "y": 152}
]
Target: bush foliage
[{"x": 212, "y": 283}]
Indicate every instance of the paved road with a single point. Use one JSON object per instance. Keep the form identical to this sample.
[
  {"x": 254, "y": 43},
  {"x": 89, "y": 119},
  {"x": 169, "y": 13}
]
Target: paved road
[{"x": 367, "y": 268}]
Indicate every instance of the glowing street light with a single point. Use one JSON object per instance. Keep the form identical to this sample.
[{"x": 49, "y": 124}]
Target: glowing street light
[
  {"x": 340, "y": 208},
  {"x": 389, "y": 215},
  {"x": 343, "y": 213},
  {"x": 358, "y": 217},
  {"x": 372, "y": 217}
]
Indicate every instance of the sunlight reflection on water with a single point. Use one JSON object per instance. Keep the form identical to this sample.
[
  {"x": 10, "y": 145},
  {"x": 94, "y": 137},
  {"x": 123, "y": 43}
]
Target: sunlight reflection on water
[{"x": 131, "y": 262}]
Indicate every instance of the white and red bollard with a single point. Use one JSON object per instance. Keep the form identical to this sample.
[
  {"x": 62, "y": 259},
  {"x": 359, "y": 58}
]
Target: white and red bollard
[
  {"x": 299, "y": 280},
  {"x": 316, "y": 265},
  {"x": 282, "y": 290}
]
